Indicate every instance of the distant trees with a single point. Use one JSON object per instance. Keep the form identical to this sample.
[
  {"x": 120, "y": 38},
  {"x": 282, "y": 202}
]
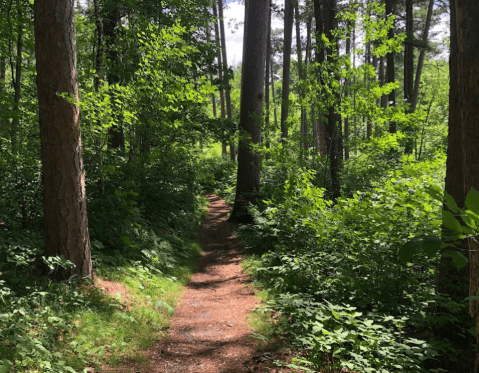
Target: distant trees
[{"x": 65, "y": 210}]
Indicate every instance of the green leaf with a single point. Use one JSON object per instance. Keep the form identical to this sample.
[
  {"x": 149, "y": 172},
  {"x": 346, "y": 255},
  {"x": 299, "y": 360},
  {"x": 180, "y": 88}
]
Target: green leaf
[
  {"x": 450, "y": 222},
  {"x": 458, "y": 259},
  {"x": 450, "y": 203},
  {"x": 472, "y": 201},
  {"x": 409, "y": 249},
  {"x": 474, "y": 297},
  {"x": 431, "y": 246}
]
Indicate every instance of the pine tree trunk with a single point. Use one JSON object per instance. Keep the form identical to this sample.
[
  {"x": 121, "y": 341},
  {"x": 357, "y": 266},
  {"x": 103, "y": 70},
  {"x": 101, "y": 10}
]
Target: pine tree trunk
[
  {"x": 422, "y": 54},
  {"x": 254, "y": 58},
  {"x": 65, "y": 211},
  {"x": 220, "y": 74},
  {"x": 288, "y": 36},
  {"x": 390, "y": 74},
  {"x": 266, "y": 84},
  {"x": 227, "y": 87},
  {"x": 467, "y": 16}
]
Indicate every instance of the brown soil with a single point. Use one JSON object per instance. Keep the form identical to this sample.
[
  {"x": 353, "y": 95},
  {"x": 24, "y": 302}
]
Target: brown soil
[{"x": 209, "y": 332}]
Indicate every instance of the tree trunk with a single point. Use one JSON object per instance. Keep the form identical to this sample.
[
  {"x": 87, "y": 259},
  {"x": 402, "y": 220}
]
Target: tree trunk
[
  {"x": 220, "y": 74},
  {"x": 266, "y": 83},
  {"x": 409, "y": 53},
  {"x": 390, "y": 75},
  {"x": 333, "y": 120},
  {"x": 346, "y": 94},
  {"x": 110, "y": 21},
  {"x": 467, "y": 16},
  {"x": 17, "y": 87},
  {"x": 254, "y": 55},
  {"x": 288, "y": 35},
  {"x": 227, "y": 87},
  {"x": 422, "y": 54},
  {"x": 304, "y": 129},
  {"x": 65, "y": 211}
]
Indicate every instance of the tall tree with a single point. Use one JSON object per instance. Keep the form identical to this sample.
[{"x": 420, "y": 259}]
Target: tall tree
[
  {"x": 220, "y": 71},
  {"x": 254, "y": 58},
  {"x": 288, "y": 36},
  {"x": 226, "y": 79},
  {"x": 467, "y": 18},
  {"x": 65, "y": 210},
  {"x": 390, "y": 73}
]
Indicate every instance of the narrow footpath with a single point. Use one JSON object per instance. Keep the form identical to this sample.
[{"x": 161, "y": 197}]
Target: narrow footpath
[{"x": 209, "y": 332}]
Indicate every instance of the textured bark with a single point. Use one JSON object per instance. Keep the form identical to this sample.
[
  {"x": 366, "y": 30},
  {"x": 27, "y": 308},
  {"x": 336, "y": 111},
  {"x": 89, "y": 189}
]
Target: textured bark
[
  {"x": 304, "y": 128},
  {"x": 390, "y": 74},
  {"x": 266, "y": 83},
  {"x": 319, "y": 133},
  {"x": 382, "y": 81},
  {"x": 333, "y": 124},
  {"x": 409, "y": 53},
  {"x": 467, "y": 16},
  {"x": 17, "y": 87},
  {"x": 369, "y": 124},
  {"x": 288, "y": 36},
  {"x": 99, "y": 50},
  {"x": 254, "y": 55},
  {"x": 346, "y": 94},
  {"x": 65, "y": 211},
  {"x": 220, "y": 72},
  {"x": 227, "y": 87}
]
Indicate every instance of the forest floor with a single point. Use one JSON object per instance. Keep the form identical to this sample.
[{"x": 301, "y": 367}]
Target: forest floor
[{"x": 209, "y": 332}]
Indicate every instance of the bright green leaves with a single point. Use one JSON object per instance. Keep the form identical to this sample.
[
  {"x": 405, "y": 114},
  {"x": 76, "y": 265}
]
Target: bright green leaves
[{"x": 459, "y": 223}]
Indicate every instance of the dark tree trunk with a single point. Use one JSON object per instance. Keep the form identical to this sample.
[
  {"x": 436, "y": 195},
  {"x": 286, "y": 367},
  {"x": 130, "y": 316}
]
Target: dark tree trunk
[
  {"x": 467, "y": 16},
  {"x": 110, "y": 21},
  {"x": 220, "y": 74},
  {"x": 227, "y": 87},
  {"x": 65, "y": 211},
  {"x": 266, "y": 83},
  {"x": 17, "y": 87},
  {"x": 333, "y": 124},
  {"x": 422, "y": 54},
  {"x": 409, "y": 53},
  {"x": 288, "y": 36},
  {"x": 304, "y": 128},
  {"x": 346, "y": 94},
  {"x": 390, "y": 75},
  {"x": 254, "y": 55}
]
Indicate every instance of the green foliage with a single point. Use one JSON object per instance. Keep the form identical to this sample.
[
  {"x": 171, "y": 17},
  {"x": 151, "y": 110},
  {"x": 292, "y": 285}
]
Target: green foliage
[{"x": 335, "y": 270}]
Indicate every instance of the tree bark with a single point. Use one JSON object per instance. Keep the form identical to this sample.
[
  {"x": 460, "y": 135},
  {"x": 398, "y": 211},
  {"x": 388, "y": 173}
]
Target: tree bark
[
  {"x": 390, "y": 74},
  {"x": 65, "y": 211},
  {"x": 227, "y": 87},
  {"x": 288, "y": 36},
  {"x": 422, "y": 54},
  {"x": 17, "y": 87},
  {"x": 254, "y": 55},
  {"x": 304, "y": 128},
  {"x": 220, "y": 73},
  {"x": 266, "y": 83},
  {"x": 333, "y": 123},
  {"x": 467, "y": 16}
]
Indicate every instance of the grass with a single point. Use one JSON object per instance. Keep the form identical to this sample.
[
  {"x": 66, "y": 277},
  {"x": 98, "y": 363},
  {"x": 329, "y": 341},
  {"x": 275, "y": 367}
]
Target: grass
[{"x": 115, "y": 328}]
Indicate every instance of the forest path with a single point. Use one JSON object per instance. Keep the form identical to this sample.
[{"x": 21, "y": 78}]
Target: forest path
[{"x": 209, "y": 332}]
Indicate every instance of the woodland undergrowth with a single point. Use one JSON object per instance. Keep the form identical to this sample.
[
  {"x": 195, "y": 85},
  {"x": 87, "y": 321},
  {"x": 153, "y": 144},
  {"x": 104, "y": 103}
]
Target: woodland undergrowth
[
  {"x": 333, "y": 270},
  {"x": 143, "y": 222}
]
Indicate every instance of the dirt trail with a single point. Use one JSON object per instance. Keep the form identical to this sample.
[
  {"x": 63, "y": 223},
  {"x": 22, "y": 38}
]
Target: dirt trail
[{"x": 209, "y": 332}]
